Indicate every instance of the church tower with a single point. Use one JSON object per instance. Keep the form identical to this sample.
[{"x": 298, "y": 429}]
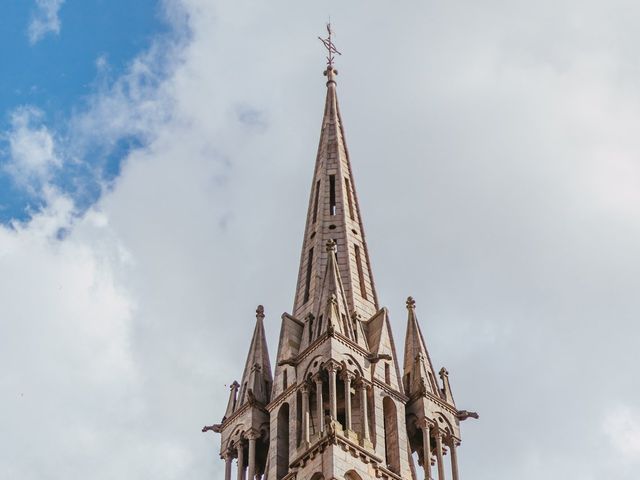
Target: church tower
[{"x": 338, "y": 406}]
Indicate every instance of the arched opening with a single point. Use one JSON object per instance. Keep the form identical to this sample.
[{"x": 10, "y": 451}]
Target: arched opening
[
  {"x": 283, "y": 442},
  {"x": 298, "y": 425},
  {"x": 340, "y": 402},
  {"x": 391, "y": 440},
  {"x": 317, "y": 476},
  {"x": 352, "y": 475}
]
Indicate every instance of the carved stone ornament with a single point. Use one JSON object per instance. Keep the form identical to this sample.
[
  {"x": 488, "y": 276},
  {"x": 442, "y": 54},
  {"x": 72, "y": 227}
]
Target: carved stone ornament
[{"x": 411, "y": 303}]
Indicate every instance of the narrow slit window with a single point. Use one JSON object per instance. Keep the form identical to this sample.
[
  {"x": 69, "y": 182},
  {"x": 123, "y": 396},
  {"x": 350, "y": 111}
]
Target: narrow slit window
[
  {"x": 315, "y": 202},
  {"x": 285, "y": 383},
  {"x": 307, "y": 282},
  {"x": 355, "y": 329},
  {"x": 349, "y": 198},
  {"x": 363, "y": 288},
  {"x": 332, "y": 194},
  {"x": 310, "y": 329},
  {"x": 387, "y": 374}
]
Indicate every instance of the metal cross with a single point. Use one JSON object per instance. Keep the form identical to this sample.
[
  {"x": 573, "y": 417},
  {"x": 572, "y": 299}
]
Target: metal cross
[{"x": 328, "y": 44}]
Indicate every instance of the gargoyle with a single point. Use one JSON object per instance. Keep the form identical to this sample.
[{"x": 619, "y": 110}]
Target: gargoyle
[
  {"x": 287, "y": 361},
  {"x": 379, "y": 356},
  {"x": 464, "y": 414},
  {"x": 213, "y": 428}
]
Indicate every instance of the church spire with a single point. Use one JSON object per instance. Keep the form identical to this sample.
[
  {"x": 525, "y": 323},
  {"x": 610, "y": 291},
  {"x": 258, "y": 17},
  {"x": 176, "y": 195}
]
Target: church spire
[
  {"x": 337, "y": 405},
  {"x": 334, "y": 214}
]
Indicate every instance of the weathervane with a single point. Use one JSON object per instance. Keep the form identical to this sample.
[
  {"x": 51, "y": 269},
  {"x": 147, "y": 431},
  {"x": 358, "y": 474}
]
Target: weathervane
[{"x": 328, "y": 44}]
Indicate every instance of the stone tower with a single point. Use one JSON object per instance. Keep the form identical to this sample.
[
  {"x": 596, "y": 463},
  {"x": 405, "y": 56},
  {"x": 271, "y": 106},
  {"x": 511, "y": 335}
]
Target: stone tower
[{"x": 338, "y": 406}]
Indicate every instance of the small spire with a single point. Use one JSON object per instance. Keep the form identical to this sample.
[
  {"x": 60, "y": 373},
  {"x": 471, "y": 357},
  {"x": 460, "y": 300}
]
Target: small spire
[
  {"x": 256, "y": 379},
  {"x": 418, "y": 371}
]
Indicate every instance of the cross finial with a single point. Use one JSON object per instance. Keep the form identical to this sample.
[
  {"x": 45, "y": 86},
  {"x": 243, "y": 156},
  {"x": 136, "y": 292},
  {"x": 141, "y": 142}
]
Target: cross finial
[
  {"x": 332, "y": 51},
  {"x": 411, "y": 303}
]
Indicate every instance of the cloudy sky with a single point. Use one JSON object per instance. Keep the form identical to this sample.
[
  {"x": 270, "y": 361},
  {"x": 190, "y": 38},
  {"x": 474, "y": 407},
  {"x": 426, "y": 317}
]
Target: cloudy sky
[{"x": 155, "y": 161}]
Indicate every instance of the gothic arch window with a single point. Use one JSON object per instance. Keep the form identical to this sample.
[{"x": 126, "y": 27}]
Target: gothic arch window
[
  {"x": 352, "y": 475},
  {"x": 391, "y": 438},
  {"x": 317, "y": 476},
  {"x": 282, "y": 447}
]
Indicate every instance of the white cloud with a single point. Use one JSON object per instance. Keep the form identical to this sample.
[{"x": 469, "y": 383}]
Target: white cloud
[
  {"x": 622, "y": 427},
  {"x": 45, "y": 19},
  {"x": 32, "y": 151}
]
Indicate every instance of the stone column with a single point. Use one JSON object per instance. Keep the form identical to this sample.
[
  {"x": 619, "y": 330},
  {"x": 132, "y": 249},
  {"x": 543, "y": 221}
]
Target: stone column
[
  {"x": 364, "y": 414},
  {"x": 347, "y": 377},
  {"x": 228, "y": 459},
  {"x": 332, "y": 368},
  {"x": 252, "y": 455},
  {"x": 439, "y": 455},
  {"x": 318, "y": 379},
  {"x": 305, "y": 412},
  {"x": 454, "y": 459},
  {"x": 426, "y": 446},
  {"x": 240, "y": 461}
]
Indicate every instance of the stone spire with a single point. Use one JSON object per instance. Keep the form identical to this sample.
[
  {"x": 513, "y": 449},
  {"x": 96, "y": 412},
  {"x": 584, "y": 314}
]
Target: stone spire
[
  {"x": 334, "y": 214},
  {"x": 257, "y": 378},
  {"x": 419, "y": 374}
]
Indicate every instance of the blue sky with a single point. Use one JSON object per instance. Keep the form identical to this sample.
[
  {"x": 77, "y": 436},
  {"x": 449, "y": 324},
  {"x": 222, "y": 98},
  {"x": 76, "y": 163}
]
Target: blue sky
[{"x": 56, "y": 73}]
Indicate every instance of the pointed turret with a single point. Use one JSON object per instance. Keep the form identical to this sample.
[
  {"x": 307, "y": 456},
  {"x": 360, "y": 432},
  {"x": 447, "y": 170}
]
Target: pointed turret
[
  {"x": 419, "y": 375},
  {"x": 245, "y": 425},
  {"x": 334, "y": 214},
  {"x": 257, "y": 378}
]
